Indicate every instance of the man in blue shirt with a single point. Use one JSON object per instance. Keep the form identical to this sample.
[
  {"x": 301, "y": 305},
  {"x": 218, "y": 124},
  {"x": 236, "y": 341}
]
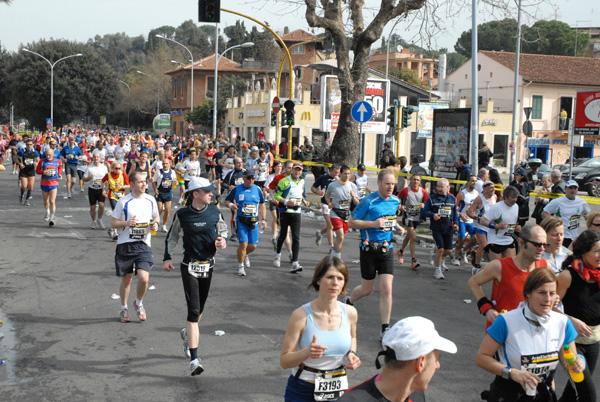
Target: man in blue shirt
[
  {"x": 70, "y": 155},
  {"x": 246, "y": 199}
]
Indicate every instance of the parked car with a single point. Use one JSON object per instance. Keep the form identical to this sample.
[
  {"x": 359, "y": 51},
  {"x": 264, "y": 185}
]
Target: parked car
[
  {"x": 587, "y": 175},
  {"x": 564, "y": 167}
]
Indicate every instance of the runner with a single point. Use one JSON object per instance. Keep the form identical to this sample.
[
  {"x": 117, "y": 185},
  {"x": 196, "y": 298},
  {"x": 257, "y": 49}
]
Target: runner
[
  {"x": 191, "y": 167},
  {"x": 163, "y": 182},
  {"x": 319, "y": 188},
  {"x": 82, "y": 167},
  {"x": 480, "y": 205},
  {"x": 70, "y": 155},
  {"x": 136, "y": 214},
  {"x": 375, "y": 216},
  {"x": 279, "y": 172},
  {"x": 118, "y": 182},
  {"x": 96, "y": 194},
  {"x": 262, "y": 171},
  {"x": 180, "y": 171},
  {"x": 27, "y": 159},
  {"x": 204, "y": 231},
  {"x": 501, "y": 221},
  {"x": 247, "y": 199},
  {"x": 339, "y": 196},
  {"x": 413, "y": 200},
  {"x": 227, "y": 161},
  {"x": 142, "y": 166},
  {"x": 361, "y": 180},
  {"x": 234, "y": 178},
  {"x": 464, "y": 200},
  {"x": 51, "y": 170}
]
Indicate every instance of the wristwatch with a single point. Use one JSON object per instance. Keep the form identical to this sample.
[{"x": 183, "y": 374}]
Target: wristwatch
[{"x": 506, "y": 372}]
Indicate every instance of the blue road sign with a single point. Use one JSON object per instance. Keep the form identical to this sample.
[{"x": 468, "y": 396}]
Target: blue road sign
[
  {"x": 48, "y": 121},
  {"x": 362, "y": 111}
]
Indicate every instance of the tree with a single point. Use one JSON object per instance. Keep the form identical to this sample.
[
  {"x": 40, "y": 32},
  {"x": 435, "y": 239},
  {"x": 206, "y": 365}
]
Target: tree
[
  {"x": 83, "y": 86},
  {"x": 237, "y": 35},
  {"x": 493, "y": 35},
  {"x": 353, "y": 77},
  {"x": 454, "y": 61},
  {"x": 553, "y": 37},
  {"x": 154, "y": 42},
  {"x": 193, "y": 37},
  {"x": 119, "y": 50}
]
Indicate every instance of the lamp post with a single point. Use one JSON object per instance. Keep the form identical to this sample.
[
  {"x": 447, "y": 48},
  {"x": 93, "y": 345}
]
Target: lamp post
[
  {"x": 217, "y": 60},
  {"x": 52, "y": 77},
  {"x": 157, "y": 90},
  {"x": 128, "y": 87},
  {"x": 192, "y": 69}
]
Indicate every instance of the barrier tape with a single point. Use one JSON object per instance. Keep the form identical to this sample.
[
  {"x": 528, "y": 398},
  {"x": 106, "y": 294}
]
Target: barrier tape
[{"x": 589, "y": 200}]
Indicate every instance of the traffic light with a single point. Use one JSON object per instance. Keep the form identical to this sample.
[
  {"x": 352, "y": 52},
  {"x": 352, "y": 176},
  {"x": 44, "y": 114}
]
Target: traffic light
[
  {"x": 393, "y": 115},
  {"x": 406, "y": 112},
  {"x": 273, "y": 119},
  {"x": 209, "y": 10},
  {"x": 289, "y": 112}
]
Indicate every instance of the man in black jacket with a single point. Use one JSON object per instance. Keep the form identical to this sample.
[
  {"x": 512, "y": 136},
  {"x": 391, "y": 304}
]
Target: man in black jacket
[{"x": 558, "y": 184}]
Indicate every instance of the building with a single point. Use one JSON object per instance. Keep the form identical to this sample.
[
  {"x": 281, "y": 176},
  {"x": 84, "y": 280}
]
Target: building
[
  {"x": 547, "y": 84},
  {"x": 593, "y": 49},
  {"x": 406, "y": 60}
]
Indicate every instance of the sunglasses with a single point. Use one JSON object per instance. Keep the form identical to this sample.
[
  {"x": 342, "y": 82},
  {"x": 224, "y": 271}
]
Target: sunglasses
[
  {"x": 117, "y": 169},
  {"x": 595, "y": 224},
  {"x": 537, "y": 244},
  {"x": 249, "y": 177}
]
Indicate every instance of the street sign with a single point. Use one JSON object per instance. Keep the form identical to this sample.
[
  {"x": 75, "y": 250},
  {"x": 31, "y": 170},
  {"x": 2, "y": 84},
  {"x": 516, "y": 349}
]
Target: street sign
[
  {"x": 233, "y": 134},
  {"x": 587, "y": 113},
  {"x": 191, "y": 126},
  {"x": 362, "y": 111},
  {"x": 528, "y": 128},
  {"x": 276, "y": 105}
]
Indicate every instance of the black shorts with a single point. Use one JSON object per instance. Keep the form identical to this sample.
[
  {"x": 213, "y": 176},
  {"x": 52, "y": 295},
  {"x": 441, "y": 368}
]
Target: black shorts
[
  {"x": 27, "y": 172},
  {"x": 410, "y": 223},
  {"x": 273, "y": 207},
  {"x": 71, "y": 170},
  {"x": 95, "y": 195},
  {"x": 443, "y": 240},
  {"x": 80, "y": 174},
  {"x": 260, "y": 184},
  {"x": 372, "y": 264},
  {"x": 132, "y": 256},
  {"x": 499, "y": 248}
]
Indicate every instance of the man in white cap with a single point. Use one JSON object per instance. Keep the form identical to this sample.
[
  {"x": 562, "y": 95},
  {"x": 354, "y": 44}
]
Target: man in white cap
[
  {"x": 570, "y": 209},
  {"x": 411, "y": 357}
]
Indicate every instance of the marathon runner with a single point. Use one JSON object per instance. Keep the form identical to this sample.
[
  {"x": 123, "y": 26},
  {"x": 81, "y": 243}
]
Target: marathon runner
[
  {"x": 27, "y": 159},
  {"x": 71, "y": 154},
  {"x": 163, "y": 182},
  {"x": 413, "y": 200},
  {"x": 96, "y": 194},
  {"x": 51, "y": 170}
]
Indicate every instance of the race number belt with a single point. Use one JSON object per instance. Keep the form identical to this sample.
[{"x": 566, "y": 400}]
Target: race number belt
[
  {"x": 249, "y": 209},
  {"x": 118, "y": 194},
  {"x": 541, "y": 364},
  {"x": 139, "y": 231},
  {"x": 330, "y": 385},
  {"x": 510, "y": 229},
  {"x": 573, "y": 222},
  {"x": 445, "y": 212},
  {"x": 389, "y": 223},
  {"x": 200, "y": 269}
]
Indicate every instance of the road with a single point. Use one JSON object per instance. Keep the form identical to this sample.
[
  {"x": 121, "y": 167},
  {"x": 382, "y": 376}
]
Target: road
[{"x": 62, "y": 338}]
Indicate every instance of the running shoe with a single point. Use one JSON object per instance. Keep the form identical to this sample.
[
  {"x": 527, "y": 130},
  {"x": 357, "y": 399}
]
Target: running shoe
[
  {"x": 432, "y": 258},
  {"x": 69, "y": 194},
  {"x": 296, "y": 267},
  {"x": 164, "y": 228},
  {"x": 27, "y": 204},
  {"x": 115, "y": 235},
  {"x": 444, "y": 266},
  {"x": 291, "y": 256},
  {"x": 438, "y": 274},
  {"x": 277, "y": 260},
  {"x": 141, "y": 312},
  {"x": 274, "y": 241},
  {"x": 346, "y": 300},
  {"x": 51, "y": 223},
  {"x": 195, "y": 367},
  {"x": 415, "y": 264},
  {"x": 456, "y": 261},
  {"x": 383, "y": 333},
  {"x": 125, "y": 316},
  {"x": 465, "y": 258},
  {"x": 46, "y": 217},
  {"x": 241, "y": 271},
  {"x": 110, "y": 232},
  {"x": 186, "y": 347},
  {"x": 319, "y": 237},
  {"x": 233, "y": 237},
  {"x": 100, "y": 224},
  {"x": 247, "y": 262},
  {"x": 400, "y": 253},
  {"x": 81, "y": 190},
  {"x": 94, "y": 225},
  {"x": 475, "y": 270},
  {"x": 20, "y": 199}
]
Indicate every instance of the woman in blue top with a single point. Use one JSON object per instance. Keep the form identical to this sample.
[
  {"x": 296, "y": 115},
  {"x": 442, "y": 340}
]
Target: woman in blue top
[
  {"x": 523, "y": 346},
  {"x": 320, "y": 336}
]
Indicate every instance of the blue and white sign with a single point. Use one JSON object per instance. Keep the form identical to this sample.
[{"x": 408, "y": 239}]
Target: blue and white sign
[
  {"x": 362, "y": 111},
  {"x": 48, "y": 122}
]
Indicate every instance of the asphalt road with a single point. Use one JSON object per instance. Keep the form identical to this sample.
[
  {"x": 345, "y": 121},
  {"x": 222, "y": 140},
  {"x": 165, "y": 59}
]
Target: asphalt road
[{"x": 62, "y": 338}]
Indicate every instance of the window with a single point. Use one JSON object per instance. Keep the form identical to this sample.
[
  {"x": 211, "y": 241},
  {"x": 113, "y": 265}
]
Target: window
[
  {"x": 500, "y": 150},
  {"x": 536, "y": 105},
  {"x": 174, "y": 84},
  {"x": 491, "y": 74},
  {"x": 210, "y": 85},
  {"x": 298, "y": 49}
]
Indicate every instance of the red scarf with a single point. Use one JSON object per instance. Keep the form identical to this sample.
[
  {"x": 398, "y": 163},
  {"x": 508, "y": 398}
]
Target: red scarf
[{"x": 586, "y": 272}]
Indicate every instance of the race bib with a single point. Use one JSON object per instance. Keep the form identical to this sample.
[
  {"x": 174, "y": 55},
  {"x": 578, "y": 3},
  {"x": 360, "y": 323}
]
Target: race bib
[
  {"x": 445, "y": 212},
  {"x": 330, "y": 385},
  {"x": 70, "y": 156},
  {"x": 50, "y": 171},
  {"x": 239, "y": 181},
  {"x": 118, "y": 194},
  {"x": 199, "y": 269},
  {"x": 414, "y": 212},
  {"x": 191, "y": 172},
  {"x": 139, "y": 231},
  {"x": 97, "y": 183},
  {"x": 263, "y": 167},
  {"x": 249, "y": 209},
  {"x": 110, "y": 156},
  {"x": 297, "y": 201},
  {"x": 167, "y": 184},
  {"x": 540, "y": 364},
  {"x": 573, "y": 222},
  {"x": 510, "y": 229},
  {"x": 345, "y": 204},
  {"x": 28, "y": 162},
  {"x": 389, "y": 223},
  {"x": 362, "y": 192}
]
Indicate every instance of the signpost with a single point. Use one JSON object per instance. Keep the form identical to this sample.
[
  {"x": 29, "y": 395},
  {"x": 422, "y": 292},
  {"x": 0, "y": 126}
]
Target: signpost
[
  {"x": 587, "y": 113},
  {"x": 233, "y": 134},
  {"x": 362, "y": 111},
  {"x": 49, "y": 124},
  {"x": 191, "y": 126}
]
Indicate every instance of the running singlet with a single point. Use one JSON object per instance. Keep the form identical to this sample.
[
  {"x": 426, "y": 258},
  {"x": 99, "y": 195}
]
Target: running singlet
[
  {"x": 485, "y": 205},
  {"x": 290, "y": 190},
  {"x": 373, "y": 207},
  {"x": 465, "y": 204},
  {"x": 165, "y": 181},
  {"x": 50, "y": 170},
  {"x": 361, "y": 184},
  {"x": 28, "y": 158},
  {"x": 113, "y": 193},
  {"x": 413, "y": 202},
  {"x": 500, "y": 212},
  {"x": 247, "y": 199}
]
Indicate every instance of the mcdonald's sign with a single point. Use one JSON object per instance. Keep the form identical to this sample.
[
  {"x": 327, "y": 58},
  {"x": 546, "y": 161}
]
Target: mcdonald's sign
[{"x": 306, "y": 116}]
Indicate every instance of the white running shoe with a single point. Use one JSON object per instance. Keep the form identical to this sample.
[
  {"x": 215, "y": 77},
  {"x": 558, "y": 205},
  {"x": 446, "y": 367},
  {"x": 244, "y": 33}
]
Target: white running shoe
[
  {"x": 69, "y": 195},
  {"x": 164, "y": 228},
  {"x": 456, "y": 261},
  {"x": 81, "y": 190},
  {"x": 296, "y": 267},
  {"x": 277, "y": 260},
  {"x": 94, "y": 225},
  {"x": 438, "y": 274},
  {"x": 195, "y": 367},
  {"x": 241, "y": 271},
  {"x": 46, "y": 217},
  {"x": 247, "y": 262},
  {"x": 432, "y": 258},
  {"x": 444, "y": 266},
  {"x": 100, "y": 224},
  {"x": 319, "y": 237},
  {"x": 465, "y": 258}
]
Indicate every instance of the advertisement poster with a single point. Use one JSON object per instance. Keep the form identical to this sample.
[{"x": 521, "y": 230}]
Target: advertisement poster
[
  {"x": 587, "y": 113},
  {"x": 451, "y": 138},
  {"x": 376, "y": 94},
  {"x": 162, "y": 123},
  {"x": 425, "y": 117}
]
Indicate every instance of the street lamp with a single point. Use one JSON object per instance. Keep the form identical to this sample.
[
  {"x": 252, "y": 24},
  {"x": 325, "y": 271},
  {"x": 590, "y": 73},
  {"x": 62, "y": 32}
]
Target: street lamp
[
  {"x": 192, "y": 69},
  {"x": 247, "y": 44},
  {"x": 158, "y": 90},
  {"x": 128, "y": 87},
  {"x": 52, "y": 77}
]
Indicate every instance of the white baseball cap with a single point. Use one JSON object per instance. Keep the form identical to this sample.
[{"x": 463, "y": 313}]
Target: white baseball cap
[
  {"x": 413, "y": 337},
  {"x": 200, "y": 183}
]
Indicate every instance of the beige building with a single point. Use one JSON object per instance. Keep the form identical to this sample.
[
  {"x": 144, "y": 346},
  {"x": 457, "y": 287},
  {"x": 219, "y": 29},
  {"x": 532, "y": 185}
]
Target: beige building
[{"x": 405, "y": 60}]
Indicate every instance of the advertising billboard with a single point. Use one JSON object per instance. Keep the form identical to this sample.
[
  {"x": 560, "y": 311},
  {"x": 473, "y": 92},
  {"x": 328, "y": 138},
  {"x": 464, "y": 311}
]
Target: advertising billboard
[
  {"x": 451, "y": 138},
  {"x": 376, "y": 94},
  {"x": 162, "y": 123},
  {"x": 587, "y": 113},
  {"x": 425, "y": 117}
]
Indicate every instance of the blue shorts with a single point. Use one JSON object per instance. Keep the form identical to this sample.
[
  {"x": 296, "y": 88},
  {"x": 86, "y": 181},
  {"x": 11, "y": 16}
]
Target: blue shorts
[
  {"x": 480, "y": 231},
  {"x": 299, "y": 390},
  {"x": 464, "y": 227},
  {"x": 443, "y": 240},
  {"x": 164, "y": 197},
  {"x": 45, "y": 189},
  {"x": 245, "y": 234}
]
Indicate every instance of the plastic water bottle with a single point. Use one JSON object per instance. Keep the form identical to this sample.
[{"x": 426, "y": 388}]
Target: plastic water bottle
[
  {"x": 570, "y": 359},
  {"x": 385, "y": 246},
  {"x": 261, "y": 227}
]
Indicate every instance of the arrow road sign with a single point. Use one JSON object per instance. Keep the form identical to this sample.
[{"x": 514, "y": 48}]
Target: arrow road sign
[{"x": 362, "y": 111}]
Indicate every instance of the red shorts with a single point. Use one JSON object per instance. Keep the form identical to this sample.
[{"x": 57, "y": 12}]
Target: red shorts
[{"x": 338, "y": 224}]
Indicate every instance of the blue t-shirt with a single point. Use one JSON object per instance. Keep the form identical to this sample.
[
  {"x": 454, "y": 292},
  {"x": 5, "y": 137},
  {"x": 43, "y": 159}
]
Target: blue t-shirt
[
  {"x": 247, "y": 199},
  {"x": 373, "y": 207},
  {"x": 70, "y": 153}
]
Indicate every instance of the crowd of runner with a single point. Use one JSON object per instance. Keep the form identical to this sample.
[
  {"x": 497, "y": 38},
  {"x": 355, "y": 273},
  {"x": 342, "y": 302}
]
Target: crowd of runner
[{"x": 139, "y": 176}]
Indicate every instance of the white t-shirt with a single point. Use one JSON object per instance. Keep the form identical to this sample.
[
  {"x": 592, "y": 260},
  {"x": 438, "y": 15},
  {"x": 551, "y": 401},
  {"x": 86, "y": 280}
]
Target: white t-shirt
[
  {"x": 156, "y": 165},
  {"x": 98, "y": 173},
  {"x": 192, "y": 169},
  {"x": 83, "y": 162},
  {"x": 144, "y": 209},
  {"x": 570, "y": 211},
  {"x": 468, "y": 198},
  {"x": 102, "y": 153},
  {"x": 506, "y": 214},
  {"x": 110, "y": 152}
]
